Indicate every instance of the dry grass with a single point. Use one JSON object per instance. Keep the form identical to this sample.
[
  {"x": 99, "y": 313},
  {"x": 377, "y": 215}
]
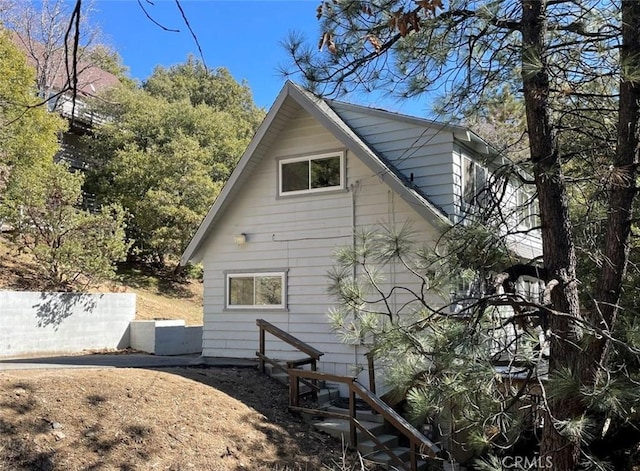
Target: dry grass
[
  {"x": 18, "y": 271},
  {"x": 159, "y": 294},
  {"x": 174, "y": 419}
]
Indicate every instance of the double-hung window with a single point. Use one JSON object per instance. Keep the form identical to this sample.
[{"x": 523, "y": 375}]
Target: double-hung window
[
  {"x": 527, "y": 208},
  {"x": 256, "y": 290},
  {"x": 310, "y": 174},
  {"x": 474, "y": 183},
  {"x": 530, "y": 289}
]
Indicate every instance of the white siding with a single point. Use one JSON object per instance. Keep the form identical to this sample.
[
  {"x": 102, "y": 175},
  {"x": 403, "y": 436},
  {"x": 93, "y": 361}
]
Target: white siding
[
  {"x": 422, "y": 152},
  {"x": 527, "y": 245},
  {"x": 298, "y": 234},
  {"x": 528, "y": 242}
]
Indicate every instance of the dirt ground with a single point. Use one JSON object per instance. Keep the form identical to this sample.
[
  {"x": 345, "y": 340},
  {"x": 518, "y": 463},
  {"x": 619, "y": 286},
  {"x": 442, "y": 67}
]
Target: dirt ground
[
  {"x": 159, "y": 295},
  {"x": 172, "y": 419}
]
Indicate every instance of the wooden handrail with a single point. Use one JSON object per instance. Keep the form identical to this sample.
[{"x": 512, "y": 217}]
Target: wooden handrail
[
  {"x": 288, "y": 338},
  {"x": 312, "y": 359},
  {"x": 419, "y": 444},
  {"x": 381, "y": 446}
]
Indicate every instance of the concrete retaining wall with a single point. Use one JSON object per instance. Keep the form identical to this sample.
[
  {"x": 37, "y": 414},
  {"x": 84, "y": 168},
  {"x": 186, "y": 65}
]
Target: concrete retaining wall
[
  {"x": 39, "y": 322},
  {"x": 168, "y": 337}
]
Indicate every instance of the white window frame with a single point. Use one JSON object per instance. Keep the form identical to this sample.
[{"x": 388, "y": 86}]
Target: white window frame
[
  {"x": 526, "y": 208},
  {"x": 529, "y": 288},
  {"x": 255, "y": 275},
  {"x": 310, "y": 158},
  {"x": 477, "y": 196}
]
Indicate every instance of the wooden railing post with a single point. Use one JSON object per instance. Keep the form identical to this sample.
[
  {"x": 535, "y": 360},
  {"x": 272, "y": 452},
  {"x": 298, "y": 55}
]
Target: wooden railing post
[
  {"x": 413, "y": 456},
  {"x": 314, "y": 367},
  {"x": 262, "y": 350},
  {"x": 353, "y": 438},
  {"x": 372, "y": 373},
  {"x": 294, "y": 387}
]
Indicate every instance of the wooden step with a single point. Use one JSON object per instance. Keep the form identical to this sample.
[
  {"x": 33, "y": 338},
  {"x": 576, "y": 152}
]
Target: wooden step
[
  {"x": 340, "y": 428},
  {"x": 367, "y": 415},
  {"x": 384, "y": 460},
  {"x": 369, "y": 448},
  {"x": 327, "y": 394}
]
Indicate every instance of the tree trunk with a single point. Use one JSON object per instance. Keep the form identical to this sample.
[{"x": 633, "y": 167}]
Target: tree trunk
[
  {"x": 623, "y": 186},
  {"x": 559, "y": 252},
  {"x": 557, "y": 241}
]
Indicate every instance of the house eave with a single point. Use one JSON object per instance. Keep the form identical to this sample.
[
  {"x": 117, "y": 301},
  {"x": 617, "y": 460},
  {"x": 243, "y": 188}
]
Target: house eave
[
  {"x": 321, "y": 111},
  {"x": 192, "y": 252}
]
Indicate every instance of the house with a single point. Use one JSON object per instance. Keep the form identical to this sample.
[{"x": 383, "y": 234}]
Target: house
[
  {"x": 315, "y": 171},
  {"x": 91, "y": 81},
  {"x": 56, "y": 87},
  {"x": 68, "y": 96}
]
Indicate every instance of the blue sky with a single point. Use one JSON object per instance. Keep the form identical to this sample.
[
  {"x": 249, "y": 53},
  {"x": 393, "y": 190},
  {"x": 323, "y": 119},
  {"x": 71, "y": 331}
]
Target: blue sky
[{"x": 242, "y": 35}]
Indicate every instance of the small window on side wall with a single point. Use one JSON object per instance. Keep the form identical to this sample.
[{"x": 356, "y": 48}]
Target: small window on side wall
[
  {"x": 527, "y": 209},
  {"x": 474, "y": 183},
  {"x": 256, "y": 290},
  {"x": 311, "y": 174}
]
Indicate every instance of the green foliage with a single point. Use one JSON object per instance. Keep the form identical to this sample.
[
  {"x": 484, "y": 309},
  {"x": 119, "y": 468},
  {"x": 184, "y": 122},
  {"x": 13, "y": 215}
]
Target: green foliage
[
  {"x": 440, "y": 364},
  {"x": 165, "y": 158},
  {"x": 217, "y": 89},
  {"x": 28, "y": 133},
  {"x": 377, "y": 248},
  {"x": 573, "y": 67},
  {"x": 74, "y": 248},
  {"x": 489, "y": 463},
  {"x": 194, "y": 272},
  {"x": 479, "y": 247},
  {"x": 472, "y": 371}
]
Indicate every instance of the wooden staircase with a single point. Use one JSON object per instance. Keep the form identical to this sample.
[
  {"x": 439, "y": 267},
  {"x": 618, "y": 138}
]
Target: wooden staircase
[
  {"x": 369, "y": 449},
  {"x": 378, "y": 432}
]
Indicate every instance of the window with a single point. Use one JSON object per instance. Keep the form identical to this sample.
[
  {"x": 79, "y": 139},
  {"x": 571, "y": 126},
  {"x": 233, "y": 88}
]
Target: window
[
  {"x": 527, "y": 208},
  {"x": 256, "y": 290},
  {"x": 465, "y": 290},
  {"x": 474, "y": 181},
  {"x": 311, "y": 174},
  {"x": 529, "y": 289}
]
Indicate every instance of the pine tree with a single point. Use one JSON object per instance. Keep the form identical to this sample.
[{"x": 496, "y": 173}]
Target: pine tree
[{"x": 576, "y": 66}]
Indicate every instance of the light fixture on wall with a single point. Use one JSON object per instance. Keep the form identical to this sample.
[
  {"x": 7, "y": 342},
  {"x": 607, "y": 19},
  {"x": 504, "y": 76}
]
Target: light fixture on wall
[{"x": 240, "y": 239}]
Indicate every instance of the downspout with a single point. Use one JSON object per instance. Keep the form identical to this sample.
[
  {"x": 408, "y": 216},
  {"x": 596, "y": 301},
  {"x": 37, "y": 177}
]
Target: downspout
[
  {"x": 353, "y": 188},
  {"x": 391, "y": 217}
]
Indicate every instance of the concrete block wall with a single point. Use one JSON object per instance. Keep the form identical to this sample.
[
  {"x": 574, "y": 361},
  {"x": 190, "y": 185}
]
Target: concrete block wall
[
  {"x": 41, "y": 322},
  {"x": 142, "y": 335},
  {"x": 166, "y": 337}
]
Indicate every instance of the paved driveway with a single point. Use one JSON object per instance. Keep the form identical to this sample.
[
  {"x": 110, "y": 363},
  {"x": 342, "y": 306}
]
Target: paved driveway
[{"x": 120, "y": 360}]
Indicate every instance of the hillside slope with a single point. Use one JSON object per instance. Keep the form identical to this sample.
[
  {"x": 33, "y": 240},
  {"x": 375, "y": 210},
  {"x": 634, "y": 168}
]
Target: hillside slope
[
  {"x": 159, "y": 294},
  {"x": 178, "y": 419}
]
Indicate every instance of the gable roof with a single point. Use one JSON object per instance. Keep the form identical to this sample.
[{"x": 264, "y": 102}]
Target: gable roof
[
  {"x": 327, "y": 113},
  {"x": 460, "y": 133}
]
